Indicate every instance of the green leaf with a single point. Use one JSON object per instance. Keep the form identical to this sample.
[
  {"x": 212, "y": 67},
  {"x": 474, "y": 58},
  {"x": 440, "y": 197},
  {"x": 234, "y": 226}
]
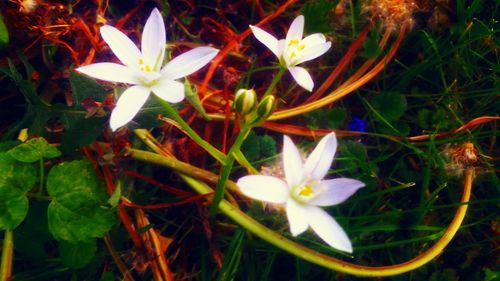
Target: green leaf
[
  {"x": 13, "y": 207},
  {"x": 371, "y": 49},
  {"x": 326, "y": 118},
  {"x": 16, "y": 178},
  {"x": 317, "y": 15},
  {"x": 194, "y": 99},
  {"x": 84, "y": 87},
  {"x": 257, "y": 148},
  {"x": 77, "y": 211},
  {"x": 80, "y": 132},
  {"x": 34, "y": 150},
  {"x": 79, "y": 225},
  {"x": 4, "y": 34},
  {"x": 16, "y": 174},
  {"x": 390, "y": 105},
  {"x": 115, "y": 197},
  {"x": 77, "y": 255}
]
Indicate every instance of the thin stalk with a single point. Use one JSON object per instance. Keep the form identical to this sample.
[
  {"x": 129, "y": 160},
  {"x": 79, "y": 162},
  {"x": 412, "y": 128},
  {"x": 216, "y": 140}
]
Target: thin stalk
[
  {"x": 191, "y": 133},
  {"x": 7, "y": 254},
  {"x": 275, "y": 81},
  {"x": 333, "y": 263},
  {"x": 127, "y": 276},
  {"x": 226, "y": 169},
  {"x": 315, "y": 257}
]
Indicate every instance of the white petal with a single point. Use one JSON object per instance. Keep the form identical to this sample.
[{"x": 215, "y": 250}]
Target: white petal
[
  {"x": 281, "y": 46},
  {"x": 328, "y": 229},
  {"x": 123, "y": 48},
  {"x": 154, "y": 40},
  {"x": 169, "y": 90},
  {"x": 335, "y": 191},
  {"x": 111, "y": 72},
  {"x": 292, "y": 163},
  {"x": 297, "y": 217},
  {"x": 313, "y": 52},
  {"x": 188, "y": 62},
  {"x": 129, "y": 103},
  {"x": 296, "y": 29},
  {"x": 267, "y": 39},
  {"x": 314, "y": 39},
  {"x": 302, "y": 77},
  {"x": 264, "y": 188},
  {"x": 319, "y": 161}
]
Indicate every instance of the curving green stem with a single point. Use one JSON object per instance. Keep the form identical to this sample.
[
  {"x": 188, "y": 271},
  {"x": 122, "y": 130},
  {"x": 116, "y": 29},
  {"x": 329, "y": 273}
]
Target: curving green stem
[
  {"x": 275, "y": 81},
  {"x": 191, "y": 133},
  {"x": 307, "y": 254},
  {"x": 7, "y": 252},
  {"x": 226, "y": 169}
]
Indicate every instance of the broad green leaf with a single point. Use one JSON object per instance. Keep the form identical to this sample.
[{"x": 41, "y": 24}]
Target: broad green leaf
[
  {"x": 257, "y": 147},
  {"x": 390, "y": 105},
  {"x": 13, "y": 207},
  {"x": 16, "y": 178},
  {"x": 79, "y": 225},
  {"x": 34, "y": 150},
  {"x": 4, "y": 34},
  {"x": 77, "y": 211},
  {"x": 81, "y": 131},
  {"x": 318, "y": 15},
  {"x": 326, "y": 118},
  {"x": 77, "y": 255},
  {"x": 84, "y": 87},
  {"x": 16, "y": 174}
]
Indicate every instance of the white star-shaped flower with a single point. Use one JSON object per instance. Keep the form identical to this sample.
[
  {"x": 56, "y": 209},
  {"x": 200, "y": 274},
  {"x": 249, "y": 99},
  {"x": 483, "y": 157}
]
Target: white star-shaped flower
[
  {"x": 143, "y": 68},
  {"x": 304, "y": 191},
  {"x": 294, "y": 49}
]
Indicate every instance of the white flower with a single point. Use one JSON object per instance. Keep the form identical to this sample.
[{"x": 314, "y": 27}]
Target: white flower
[
  {"x": 304, "y": 191},
  {"x": 294, "y": 50},
  {"x": 143, "y": 68}
]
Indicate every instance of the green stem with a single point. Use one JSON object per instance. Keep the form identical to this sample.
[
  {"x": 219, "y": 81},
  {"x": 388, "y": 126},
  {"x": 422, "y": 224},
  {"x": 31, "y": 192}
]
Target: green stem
[
  {"x": 305, "y": 253},
  {"x": 226, "y": 169},
  {"x": 275, "y": 81},
  {"x": 191, "y": 133},
  {"x": 7, "y": 253}
]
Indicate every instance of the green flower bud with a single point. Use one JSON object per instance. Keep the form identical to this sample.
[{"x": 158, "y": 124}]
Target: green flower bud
[
  {"x": 245, "y": 101},
  {"x": 265, "y": 108}
]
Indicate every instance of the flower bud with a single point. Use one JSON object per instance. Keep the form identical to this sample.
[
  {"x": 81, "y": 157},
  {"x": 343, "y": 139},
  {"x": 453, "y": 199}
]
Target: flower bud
[
  {"x": 265, "y": 108},
  {"x": 245, "y": 101}
]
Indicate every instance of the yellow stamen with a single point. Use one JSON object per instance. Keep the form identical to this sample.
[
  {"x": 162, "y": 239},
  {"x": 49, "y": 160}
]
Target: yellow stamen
[
  {"x": 141, "y": 61},
  {"x": 306, "y": 190},
  {"x": 293, "y": 42},
  {"x": 148, "y": 69}
]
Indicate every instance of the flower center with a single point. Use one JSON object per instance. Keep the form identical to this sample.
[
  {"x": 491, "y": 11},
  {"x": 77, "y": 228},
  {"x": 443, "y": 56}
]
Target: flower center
[
  {"x": 293, "y": 51},
  {"x": 148, "y": 75},
  {"x": 305, "y": 192}
]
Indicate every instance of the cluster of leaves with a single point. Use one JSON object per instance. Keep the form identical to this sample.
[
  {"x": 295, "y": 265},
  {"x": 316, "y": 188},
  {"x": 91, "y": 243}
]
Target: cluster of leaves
[{"x": 78, "y": 211}]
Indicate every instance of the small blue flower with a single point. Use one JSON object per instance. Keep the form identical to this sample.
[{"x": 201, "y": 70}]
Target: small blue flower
[{"x": 357, "y": 124}]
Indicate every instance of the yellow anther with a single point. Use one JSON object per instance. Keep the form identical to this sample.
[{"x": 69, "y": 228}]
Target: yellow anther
[
  {"x": 293, "y": 42},
  {"x": 148, "y": 69},
  {"x": 141, "y": 61},
  {"x": 306, "y": 190},
  {"x": 301, "y": 47}
]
